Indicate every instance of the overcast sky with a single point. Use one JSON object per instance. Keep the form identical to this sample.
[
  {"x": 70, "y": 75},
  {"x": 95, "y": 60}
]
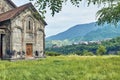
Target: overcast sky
[{"x": 68, "y": 17}]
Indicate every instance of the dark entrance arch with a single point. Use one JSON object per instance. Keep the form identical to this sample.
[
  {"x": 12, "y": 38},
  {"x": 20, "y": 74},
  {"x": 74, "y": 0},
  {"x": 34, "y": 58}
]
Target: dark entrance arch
[{"x": 1, "y": 45}]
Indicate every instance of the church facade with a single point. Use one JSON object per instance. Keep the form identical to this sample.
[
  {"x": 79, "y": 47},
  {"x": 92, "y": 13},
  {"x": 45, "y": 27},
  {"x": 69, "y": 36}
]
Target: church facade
[{"x": 22, "y": 33}]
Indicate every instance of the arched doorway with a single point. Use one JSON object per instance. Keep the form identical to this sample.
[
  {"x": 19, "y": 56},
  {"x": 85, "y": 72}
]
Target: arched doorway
[{"x": 29, "y": 50}]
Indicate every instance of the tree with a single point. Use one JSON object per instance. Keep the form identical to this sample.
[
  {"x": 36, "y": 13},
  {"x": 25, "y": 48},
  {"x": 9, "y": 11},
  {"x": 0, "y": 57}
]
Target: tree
[
  {"x": 110, "y": 13},
  {"x": 101, "y": 50},
  {"x": 54, "y": 5},
  {"x": 87, "y": 53}
]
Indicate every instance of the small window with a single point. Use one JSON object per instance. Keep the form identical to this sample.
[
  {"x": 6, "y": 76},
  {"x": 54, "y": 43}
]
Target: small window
[{"x": 29, "y": 24}]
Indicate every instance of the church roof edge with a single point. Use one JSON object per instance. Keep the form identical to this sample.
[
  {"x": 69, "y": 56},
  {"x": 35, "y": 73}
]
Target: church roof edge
[{"x": 14, "y": 12}]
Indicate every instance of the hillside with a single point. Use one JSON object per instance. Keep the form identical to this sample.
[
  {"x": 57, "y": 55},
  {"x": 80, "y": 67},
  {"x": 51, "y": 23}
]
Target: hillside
[
  {"x": 112, "y": 47},
  {"x": 74, "y": 32},
  {"x": 102, "y": 33},
  {"x": 84, "y": 32}
]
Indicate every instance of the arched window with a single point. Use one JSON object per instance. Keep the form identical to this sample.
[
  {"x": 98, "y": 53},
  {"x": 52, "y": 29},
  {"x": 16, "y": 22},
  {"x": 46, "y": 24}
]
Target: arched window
[{"x": 29, "y": 24}]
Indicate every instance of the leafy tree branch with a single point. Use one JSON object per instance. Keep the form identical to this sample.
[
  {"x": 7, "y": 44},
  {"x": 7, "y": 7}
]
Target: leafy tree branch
[{"x": 110, "y": 13}]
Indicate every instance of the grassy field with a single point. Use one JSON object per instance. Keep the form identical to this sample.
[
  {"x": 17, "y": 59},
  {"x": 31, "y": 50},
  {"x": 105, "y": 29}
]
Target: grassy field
[{"x": 63, "y": 68}]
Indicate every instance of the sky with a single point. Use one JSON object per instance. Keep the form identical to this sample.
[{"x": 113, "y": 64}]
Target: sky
[{"x": 68, "y": 17}]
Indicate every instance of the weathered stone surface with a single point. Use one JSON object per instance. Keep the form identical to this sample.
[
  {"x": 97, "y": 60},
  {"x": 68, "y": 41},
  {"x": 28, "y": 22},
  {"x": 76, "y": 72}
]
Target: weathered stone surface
[
  {"x": 21, "y": 30},
  {"x": 4, "y": 6},
  {"x": 27, "y": 37}
]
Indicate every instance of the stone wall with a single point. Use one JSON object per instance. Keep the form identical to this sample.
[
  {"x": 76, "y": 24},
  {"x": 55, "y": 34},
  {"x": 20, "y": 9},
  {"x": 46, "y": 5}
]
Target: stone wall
[
  {"x": 17, "y": 38},
  {"x": 6, "y": 41},
  {"x": 20, "y": 36},
  {"x": 39, "y": 42},
  {"x": 4, "y": 6}
]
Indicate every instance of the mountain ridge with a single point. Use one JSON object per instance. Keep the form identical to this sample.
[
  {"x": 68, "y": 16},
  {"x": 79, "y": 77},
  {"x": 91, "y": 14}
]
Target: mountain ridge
[
  {"x": 75, "y": 28},
  {"x": 86, "y": 32}
]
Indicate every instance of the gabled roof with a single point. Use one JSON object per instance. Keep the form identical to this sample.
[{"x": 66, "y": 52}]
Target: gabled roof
[
  {"x": 14, "y": 12},
  {"x": 12, "y": 4}
]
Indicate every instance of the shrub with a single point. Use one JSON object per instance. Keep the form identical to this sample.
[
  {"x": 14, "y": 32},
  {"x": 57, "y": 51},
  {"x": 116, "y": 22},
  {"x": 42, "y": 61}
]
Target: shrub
[
  {"x": 77, "y": 52},
  {"x": 87, "y": 53},
  {"x": 118, "y": 53},
  {"x": 52, "y": 54},
  {"x": 101, "y": 50}
]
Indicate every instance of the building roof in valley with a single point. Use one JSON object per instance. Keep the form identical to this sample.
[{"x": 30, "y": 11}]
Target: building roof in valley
[{"x": 14, "y": 12}]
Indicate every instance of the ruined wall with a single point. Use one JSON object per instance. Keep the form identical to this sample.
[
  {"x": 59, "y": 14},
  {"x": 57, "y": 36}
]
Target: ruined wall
[{"x": 5, "y": 6}]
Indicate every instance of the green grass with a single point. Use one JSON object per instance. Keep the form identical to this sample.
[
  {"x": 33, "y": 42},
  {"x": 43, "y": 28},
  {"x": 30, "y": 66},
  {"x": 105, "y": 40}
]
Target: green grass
[{"x": 63, "y": 68}]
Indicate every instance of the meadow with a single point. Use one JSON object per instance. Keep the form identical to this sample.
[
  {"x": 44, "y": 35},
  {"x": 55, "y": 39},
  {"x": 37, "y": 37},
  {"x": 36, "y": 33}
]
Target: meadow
[{"x": 63, "y": 68}]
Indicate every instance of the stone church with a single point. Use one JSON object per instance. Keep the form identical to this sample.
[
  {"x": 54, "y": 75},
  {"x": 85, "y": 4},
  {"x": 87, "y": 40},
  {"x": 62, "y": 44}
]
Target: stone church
[{"x": 22, "y": 33}]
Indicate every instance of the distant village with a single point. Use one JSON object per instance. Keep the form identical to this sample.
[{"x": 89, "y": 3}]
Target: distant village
[{"x": 83, "y": 42}]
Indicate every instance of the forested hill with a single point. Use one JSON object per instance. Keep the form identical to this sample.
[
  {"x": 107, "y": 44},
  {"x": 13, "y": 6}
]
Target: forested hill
[
  {"x": 84, "y": 32},
  {"x": 112, "y": 47},
  {"x": 74, "y": 32},
  {"x": 88, "y": 32}
]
